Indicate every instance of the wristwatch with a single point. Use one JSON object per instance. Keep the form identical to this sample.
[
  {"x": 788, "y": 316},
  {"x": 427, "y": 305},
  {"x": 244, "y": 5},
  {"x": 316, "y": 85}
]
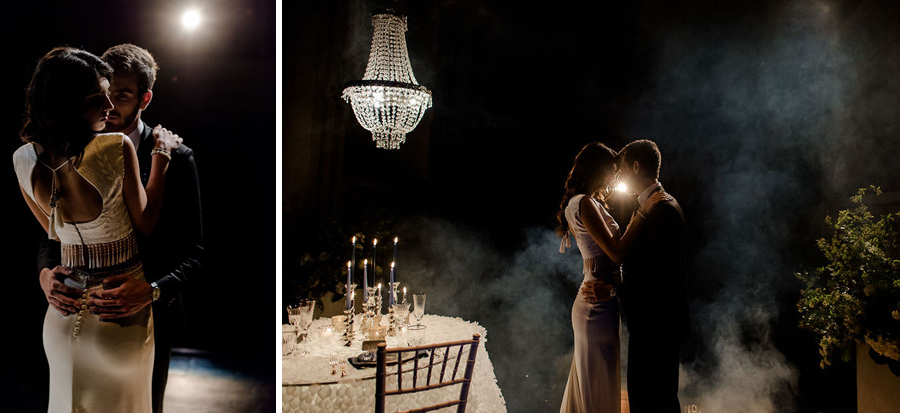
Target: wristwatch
[{"x": 155, "y": 293}]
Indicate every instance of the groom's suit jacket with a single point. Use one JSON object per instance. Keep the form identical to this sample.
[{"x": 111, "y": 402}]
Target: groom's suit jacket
[
  {"x": 654, "y": 296},
  {"x": 172, "y": 253}
]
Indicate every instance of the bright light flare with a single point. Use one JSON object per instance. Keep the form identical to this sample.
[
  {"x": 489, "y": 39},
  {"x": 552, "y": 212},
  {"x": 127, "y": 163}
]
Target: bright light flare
[
  {"x": 621, "y": 187},
  {"x": 190, "y": 19}
]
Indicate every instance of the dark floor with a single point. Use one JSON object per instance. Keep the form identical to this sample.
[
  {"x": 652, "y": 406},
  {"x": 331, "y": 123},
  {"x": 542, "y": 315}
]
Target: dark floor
[{"x": 199, "y": 383}]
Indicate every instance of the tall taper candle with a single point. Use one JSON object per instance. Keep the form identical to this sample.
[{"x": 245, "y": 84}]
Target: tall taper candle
[
  {"x": 374, "y": 244},
  {"x": 348, "y": 301},
  {"x": 365, "y": 281},
  {"x": 352, "y": 257},
  {"x": 391, "y": 293}
]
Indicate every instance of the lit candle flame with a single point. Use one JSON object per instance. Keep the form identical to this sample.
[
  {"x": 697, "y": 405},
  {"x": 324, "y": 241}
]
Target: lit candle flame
[
  {"x": 404, "y": 290},
  {"x": 395, "y": 240},
  {"x": 621, "y": 187},
  {"x": 375, "y": 241},
  {"x": 354, "y": 239},
  {"x": 379, "y": 286},
  {"x": 392, "y": 264},
  {"x": 366, "y": 261},
  {"x": 348, "y": 264}
]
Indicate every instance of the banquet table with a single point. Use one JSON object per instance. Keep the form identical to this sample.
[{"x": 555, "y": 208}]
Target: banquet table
[{"x": 308, "y": 385}]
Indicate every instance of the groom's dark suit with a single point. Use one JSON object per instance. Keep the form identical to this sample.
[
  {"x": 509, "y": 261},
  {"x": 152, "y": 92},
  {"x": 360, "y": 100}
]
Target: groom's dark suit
[
  {"x": 655, "y": 309},
  {"x": 171, "y": 255}
]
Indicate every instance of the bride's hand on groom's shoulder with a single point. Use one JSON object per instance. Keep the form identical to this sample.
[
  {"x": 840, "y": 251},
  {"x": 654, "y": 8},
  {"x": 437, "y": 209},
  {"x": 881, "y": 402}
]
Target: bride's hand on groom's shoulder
[
  {"x": 657, "y": 197},
  {"x": 166, "y": 139}
]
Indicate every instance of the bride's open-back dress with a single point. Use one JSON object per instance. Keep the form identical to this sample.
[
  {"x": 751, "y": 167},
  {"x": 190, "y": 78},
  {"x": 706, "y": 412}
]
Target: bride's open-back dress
[
  {"x": 593, "y": 384},
  {"x": 96, "y": 366}
]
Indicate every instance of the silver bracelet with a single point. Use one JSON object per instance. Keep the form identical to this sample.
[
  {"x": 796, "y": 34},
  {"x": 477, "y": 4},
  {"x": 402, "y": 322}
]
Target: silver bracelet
[
  {"x": 641, "y": 214},
  {"x": 162, "y": 152}
]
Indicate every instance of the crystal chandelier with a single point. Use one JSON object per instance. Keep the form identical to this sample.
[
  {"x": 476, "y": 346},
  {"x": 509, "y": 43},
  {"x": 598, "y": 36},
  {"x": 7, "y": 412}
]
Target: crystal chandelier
[{"x": 388, "y": 101}]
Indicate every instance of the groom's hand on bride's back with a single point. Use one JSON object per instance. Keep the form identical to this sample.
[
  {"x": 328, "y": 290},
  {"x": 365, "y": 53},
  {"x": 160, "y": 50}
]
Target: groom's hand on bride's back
[
  {"x": 121, "y": 296},
  {"x": 63, "y": 298}
]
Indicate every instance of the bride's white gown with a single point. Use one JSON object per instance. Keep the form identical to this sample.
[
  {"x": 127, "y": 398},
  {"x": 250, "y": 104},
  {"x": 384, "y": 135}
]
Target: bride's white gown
[
  {"x": 97, "y": 366},
  {"x": 593, "y": 384}
]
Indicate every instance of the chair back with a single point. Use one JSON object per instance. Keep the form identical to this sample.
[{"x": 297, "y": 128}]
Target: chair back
[{"x": 446, "y": 377}]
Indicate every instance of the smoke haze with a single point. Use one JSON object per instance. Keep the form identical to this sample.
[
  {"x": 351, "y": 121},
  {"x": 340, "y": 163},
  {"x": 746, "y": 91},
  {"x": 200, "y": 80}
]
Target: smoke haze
[
  {"x": 768, "y": 116},
  {"x": 755, "y": 117}
]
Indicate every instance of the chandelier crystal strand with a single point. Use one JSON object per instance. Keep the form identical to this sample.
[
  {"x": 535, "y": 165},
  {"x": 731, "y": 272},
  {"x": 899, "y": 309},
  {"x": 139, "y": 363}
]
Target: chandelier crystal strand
[{"x": 388, "y": 101}]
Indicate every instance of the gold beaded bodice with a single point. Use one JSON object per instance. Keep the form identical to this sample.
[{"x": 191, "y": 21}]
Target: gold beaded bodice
[{"x": 108, "y": 240}]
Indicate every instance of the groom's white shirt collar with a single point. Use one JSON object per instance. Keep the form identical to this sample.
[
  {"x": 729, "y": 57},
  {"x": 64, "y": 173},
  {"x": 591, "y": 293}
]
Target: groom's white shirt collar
[
  {"x": 135, "y": 135},
  {"x": 647, "y": 192}
]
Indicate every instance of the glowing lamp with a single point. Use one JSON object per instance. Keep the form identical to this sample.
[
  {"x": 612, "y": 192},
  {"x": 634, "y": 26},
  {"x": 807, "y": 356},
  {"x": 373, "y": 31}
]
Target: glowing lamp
[{"x": 190, "y": 19}]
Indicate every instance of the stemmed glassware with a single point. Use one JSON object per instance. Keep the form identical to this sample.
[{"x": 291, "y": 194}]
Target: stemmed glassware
[
  {"x": 418, "y": 310},
  {"x": 300, "y": 316},
  {"x": 401, "y": 312},
  {"x": 293, "y": 311},
  {"x": 288, "y": 339}
]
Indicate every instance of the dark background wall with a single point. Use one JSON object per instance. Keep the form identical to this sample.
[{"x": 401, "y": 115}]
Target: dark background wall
[
  {"x": 215, "y": 88},
  {"x": 769, "y": 115}
]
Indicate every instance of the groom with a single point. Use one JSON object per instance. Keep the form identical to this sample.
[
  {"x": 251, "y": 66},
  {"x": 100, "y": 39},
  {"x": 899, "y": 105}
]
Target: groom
[
  {"x": 171, "y": 255},
  {"x": 653, "y": 295}
]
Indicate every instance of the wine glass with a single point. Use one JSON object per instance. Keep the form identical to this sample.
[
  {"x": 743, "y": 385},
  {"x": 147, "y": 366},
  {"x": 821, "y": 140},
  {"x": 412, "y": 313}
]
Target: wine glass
[
  {"x": 401, "y": 315},
  {"x": 418, "y": 309},
  {"x": 307, "y": 308},
  {"x": 300, "y": 316},
  {"x": 288, "y": 338},
  {"x": 293, "y": 311}
]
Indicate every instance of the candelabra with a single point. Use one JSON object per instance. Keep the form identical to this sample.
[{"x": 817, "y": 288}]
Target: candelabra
[{"x": 348, "y": 319}]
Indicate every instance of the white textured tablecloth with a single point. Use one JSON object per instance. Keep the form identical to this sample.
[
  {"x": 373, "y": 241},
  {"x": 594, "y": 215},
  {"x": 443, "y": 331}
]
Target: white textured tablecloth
[{"x": 308, "y": 385}]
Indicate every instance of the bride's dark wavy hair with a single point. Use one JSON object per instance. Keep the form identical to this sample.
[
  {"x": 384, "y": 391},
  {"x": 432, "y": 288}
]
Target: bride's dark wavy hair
[
  {"x": 54, "y": 100},
  {"x": 586, "y": 177}
]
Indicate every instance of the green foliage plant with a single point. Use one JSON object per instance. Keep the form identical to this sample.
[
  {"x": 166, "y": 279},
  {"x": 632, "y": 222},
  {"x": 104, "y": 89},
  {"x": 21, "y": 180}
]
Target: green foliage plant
[{"x": 855, "y": 297}]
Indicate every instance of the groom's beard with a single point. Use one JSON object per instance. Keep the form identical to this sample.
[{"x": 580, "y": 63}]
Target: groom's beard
[{"x": 117, "y": 123}]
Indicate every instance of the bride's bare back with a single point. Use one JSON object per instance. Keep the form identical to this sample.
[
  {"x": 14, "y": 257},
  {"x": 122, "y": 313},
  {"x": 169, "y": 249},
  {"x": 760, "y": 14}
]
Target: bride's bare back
[{"x": 80, "y": 200}]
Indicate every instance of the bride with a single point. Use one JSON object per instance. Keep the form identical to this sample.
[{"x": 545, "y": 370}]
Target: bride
[
  {"x": 593, "y": 384},
  {"x": 84, "y": 189}
]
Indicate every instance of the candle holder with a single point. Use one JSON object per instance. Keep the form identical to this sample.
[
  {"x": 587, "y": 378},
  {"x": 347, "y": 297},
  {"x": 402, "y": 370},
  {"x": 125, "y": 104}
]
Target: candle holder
[
  {"x": 377, "y": 304},
  {"x": 391, "y": 303},
  {"x": 391, "y": 331},
  {"x": 396, "y": 289},
  {"x": 369, "y": 310},
  {"x": 365, "y": 323},
  {"x": 372, "y": 302},
  {"x": 348, "y": 328},
  {"x": 349, "y": 313}
]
